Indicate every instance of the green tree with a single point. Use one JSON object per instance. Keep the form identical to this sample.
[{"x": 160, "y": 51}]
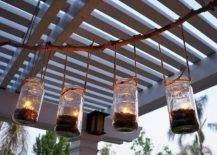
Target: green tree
[
  {"x": 106, "y": 149},
  {"x": 13, "y": 139},
  {"x": 50, "y": 144},
  {"x": 142, "y": 145},
  {"x": 166, "y": 151},
  {"x": 197, "y": 147}
]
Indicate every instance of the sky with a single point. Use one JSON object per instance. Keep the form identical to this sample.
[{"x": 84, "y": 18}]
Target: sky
[{"x": 156, "y": 124}]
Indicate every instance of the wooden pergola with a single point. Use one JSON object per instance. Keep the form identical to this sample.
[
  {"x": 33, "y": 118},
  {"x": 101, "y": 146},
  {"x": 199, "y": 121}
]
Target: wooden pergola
[{"x": 79, "y": 22}]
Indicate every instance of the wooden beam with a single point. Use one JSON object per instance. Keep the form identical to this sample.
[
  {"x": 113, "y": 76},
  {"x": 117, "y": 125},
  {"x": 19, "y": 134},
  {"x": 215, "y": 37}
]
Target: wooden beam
[
  {"x": 47, "y": 119},
  {"x": 203, "y": 74},
  {"x": 81, "y": 15},
  {"x": 48, "y": 17}
]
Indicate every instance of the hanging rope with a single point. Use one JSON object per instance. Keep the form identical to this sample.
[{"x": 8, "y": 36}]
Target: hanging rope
[
  {"x": 154, "y": 32},
  {"x": 41, "y": 57},
  {"x": 88, "y": 66},
  {"x": 44, "y": 70},
  {"x": 64, "y": 73},
  {"x": 35, "y": 59},
  {"x": 186, "y": 53},
  {"x": 161, "y": 60},
  {"x": 30, "y": 28},
  {"x": 115, "y": 70},
  {"x": 135, "y": 60}
]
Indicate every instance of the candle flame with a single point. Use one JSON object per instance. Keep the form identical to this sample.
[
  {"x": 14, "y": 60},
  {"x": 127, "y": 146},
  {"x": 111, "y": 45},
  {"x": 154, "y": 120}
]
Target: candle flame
[
  {"x": 27, "y": 105},
  {"x": 186, "y": 105},
  {"x": 126, "y": 110},
  {"x": 75, "y": 113}
]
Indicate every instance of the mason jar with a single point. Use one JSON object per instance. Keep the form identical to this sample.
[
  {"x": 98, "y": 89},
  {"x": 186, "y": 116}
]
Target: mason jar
[
  {"x": 125, "y": 105},
  {"x": 70, "y": 112},
  {"x": 29, "y": 102},
  {"x": 181, "y": 105}
]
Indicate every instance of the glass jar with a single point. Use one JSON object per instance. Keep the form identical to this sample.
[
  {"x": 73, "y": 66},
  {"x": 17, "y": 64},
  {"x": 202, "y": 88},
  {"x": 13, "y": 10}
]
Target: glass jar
[
  {"x": 181, "y": 105},
  {"x": 70, "y": 112},
  {"x": 29, "y": 102},
  {"x": 125, "y": 105}
]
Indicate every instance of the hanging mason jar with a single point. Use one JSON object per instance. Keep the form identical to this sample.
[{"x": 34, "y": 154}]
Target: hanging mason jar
[
  {"x": 125, "y": 105},
  {"x": 70, "y": 112},
  {"x": 29, "y": 102},
  {"x": 181, "y": 105}
]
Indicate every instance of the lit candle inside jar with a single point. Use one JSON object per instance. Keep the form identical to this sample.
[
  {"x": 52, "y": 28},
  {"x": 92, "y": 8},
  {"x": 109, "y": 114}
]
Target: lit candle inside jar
[
  {"x": 185, "y": 106},
  {"x": 75, "y": 113},
  {"x": 125, "y": 120},
  {"x": 26, "y": 114},
  {"x": 27, "y": 105},
  {"x": 126, "y": 110}
]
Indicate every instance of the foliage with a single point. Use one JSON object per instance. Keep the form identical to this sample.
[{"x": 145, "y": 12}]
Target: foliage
[
  {"x": 50, "y": 144},
  {"x": 13, "y": 139},
  {"x": 142, "y": 145},
  {"x": 106, "y": 149},
  {"x": 166, "y": 151}
]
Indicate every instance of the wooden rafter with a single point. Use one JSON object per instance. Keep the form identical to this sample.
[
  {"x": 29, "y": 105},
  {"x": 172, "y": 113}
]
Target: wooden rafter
[
  {"x": 48, "y": 17},
  {"x": 71, "y": 48}
]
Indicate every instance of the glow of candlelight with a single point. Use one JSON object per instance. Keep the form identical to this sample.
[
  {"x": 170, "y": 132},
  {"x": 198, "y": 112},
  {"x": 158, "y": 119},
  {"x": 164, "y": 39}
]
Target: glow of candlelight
[
  {"x": 27, "y": 104},
  {"x": 126, "y": 110},
  {"x": 185, "y": 105},
  {"x": 75, "y": 113}
]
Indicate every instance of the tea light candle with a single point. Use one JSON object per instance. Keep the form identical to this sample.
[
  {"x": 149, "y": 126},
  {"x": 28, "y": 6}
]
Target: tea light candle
[
  {"x": 185, "y": 105},
  {"x": 27, "y": 105},
  {"x": 26, "y": 114},
  {"x": 126, "y": 110}
]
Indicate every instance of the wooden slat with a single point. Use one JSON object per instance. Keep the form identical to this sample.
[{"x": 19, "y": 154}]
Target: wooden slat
[
  {"x": 11, "y": 30},
  {"x": 162, "y": 20},
  {"x": 119, "y": 34},
  {"x": 49, "y": 16},
  {"x": 15, "y": 18},
  {"x": 73, "y": 82},
  {"x": 83, "y": 69},
  {"x": 21, "y": 5},
  {"x": 110, "y": 69},
  {"x": 213, "y": 12},
  {"x": 100, "y": 40},
  {"x": 141, "y": 28},
  {"x": 76, "y": 83},
  {"x": 196, "y": 21},
  {"x": 6, "y": 51},
  {"x": 83, "y": 13}
]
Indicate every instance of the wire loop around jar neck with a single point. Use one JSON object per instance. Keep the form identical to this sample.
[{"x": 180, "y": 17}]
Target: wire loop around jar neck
[{"x": 65, "y": 90}]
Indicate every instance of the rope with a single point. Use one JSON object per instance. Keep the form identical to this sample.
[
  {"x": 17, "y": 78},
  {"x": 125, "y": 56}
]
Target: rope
[
  {"x": 115, "y": 70},
  {"x": 161, "y": 60},
  {"x": 45, "y": 70},
  {"x": 121, "y": 42},
  {"x": 186, "y": 53},
  {"x": 30, "y": 28},
  {"x": 64, "y": 73},
  {"x": 135, "y": 60},
  {"x": 88, "y": 66},
  {"x": 35, "y": 59},
  {"x": 42, "y": 70}
]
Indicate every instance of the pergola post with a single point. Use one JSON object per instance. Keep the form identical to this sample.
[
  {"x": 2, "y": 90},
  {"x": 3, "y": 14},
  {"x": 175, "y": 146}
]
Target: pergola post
[{"x": 84, "y": 146}]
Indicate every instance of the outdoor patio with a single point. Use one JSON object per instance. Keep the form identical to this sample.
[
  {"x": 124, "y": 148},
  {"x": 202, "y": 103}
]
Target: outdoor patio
[{"x": 93, "y": 43}]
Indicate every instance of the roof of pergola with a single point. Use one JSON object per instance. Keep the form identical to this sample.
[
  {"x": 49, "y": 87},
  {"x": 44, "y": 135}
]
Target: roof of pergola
[{"x": 79, "y": 22}]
